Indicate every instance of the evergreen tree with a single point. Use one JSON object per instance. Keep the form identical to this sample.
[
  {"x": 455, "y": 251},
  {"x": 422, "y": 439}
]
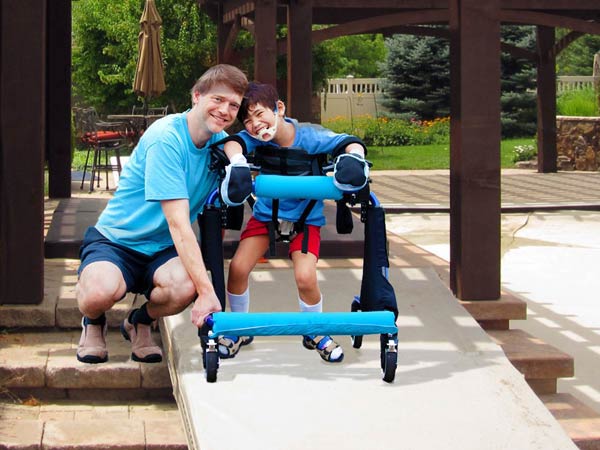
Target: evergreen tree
[
  {"x": 417, "y": 71},
  {"x": 518, "y": 84}
]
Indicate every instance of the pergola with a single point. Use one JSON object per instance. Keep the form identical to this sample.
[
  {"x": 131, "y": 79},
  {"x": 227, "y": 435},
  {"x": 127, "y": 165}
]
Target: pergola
[{"x": 35, "y": 43}]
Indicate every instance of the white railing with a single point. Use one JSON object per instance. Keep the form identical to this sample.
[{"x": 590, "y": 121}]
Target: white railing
[
  {"x": 352, "y": 97},
  {"x": 571, "y": 83}
]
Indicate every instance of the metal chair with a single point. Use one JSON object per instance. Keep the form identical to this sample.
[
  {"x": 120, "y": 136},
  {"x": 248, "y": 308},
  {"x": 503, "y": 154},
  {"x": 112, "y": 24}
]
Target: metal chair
[{"x": 100, "y": 138}]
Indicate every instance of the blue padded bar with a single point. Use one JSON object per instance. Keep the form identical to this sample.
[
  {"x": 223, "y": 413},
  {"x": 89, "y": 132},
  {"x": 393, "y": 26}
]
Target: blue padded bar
[
  {"x": 318, "y": 187},
  {"x": 303, "y": 323}
]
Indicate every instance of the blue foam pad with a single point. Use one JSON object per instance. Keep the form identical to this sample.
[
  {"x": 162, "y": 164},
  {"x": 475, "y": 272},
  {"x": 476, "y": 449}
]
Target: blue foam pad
[
  {"x": 303, "y": 323},
  {"x": 318, "y": 187}
]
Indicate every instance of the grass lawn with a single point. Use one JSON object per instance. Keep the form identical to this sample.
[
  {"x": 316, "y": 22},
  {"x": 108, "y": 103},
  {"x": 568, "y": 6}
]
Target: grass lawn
[
  {"x": 406, "y": 158},
  {"x": 431, "y": 156}
]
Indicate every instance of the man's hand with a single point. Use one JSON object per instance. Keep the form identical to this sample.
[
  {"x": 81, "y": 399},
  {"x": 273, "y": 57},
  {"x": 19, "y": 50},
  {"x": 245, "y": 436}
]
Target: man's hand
[
  {"x": 237, "y": 184},
  {"x": 350, "y": 172},
  {"x": 203, "y": 306}
]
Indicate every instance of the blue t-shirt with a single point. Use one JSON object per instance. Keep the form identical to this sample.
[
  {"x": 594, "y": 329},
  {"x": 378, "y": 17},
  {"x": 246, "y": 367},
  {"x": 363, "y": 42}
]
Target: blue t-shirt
[
  {"x": 312, "y": 138},
  {"x": 165, "y": 165}
]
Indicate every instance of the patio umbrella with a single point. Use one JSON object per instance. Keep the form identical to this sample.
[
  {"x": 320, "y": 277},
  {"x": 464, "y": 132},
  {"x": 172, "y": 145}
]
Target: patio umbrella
[{"x": 149, "y": 78}]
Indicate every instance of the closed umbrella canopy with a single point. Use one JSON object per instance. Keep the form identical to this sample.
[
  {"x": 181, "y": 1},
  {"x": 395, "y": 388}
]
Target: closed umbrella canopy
[{"x": 149, "y": 78}]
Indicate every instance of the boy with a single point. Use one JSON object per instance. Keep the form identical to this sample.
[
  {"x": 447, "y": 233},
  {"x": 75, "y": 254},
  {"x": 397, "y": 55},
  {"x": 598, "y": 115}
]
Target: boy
[
  {"x": 265, "y": 123},
  {"x": 143, "y": 241}
]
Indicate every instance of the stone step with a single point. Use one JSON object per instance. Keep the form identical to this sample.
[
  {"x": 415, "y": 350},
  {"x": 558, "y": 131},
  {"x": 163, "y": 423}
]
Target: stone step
[
  {"x": 43, "y": 363},
  {"x": 540, "y": 363},
  {"x": 496, "y": 314},
  {"x": 580, "y": 422},
  {"x": 62, "y": 425}
]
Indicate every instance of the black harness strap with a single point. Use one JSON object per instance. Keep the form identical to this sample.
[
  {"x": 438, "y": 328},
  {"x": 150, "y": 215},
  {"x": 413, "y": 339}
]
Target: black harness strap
[{"x": 273, "y": 226}]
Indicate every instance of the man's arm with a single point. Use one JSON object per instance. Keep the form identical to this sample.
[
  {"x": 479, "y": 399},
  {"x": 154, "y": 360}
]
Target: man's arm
[{"x": 177, "y": 213}]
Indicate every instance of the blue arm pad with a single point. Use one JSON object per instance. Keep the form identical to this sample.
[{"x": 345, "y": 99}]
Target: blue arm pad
[
  {"x": 303, "y": 323},
  {"x": 309, "y": 187}
]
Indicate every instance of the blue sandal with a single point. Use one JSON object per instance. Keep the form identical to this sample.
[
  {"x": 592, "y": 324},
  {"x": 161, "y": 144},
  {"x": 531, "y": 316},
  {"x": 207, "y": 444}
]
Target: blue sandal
[{"x": 329, "y": 350}]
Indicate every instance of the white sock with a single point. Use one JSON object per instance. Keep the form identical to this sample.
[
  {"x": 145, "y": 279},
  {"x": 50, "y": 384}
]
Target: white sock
[
  {"x": 239, "y": 302},
  {"x": 311, "y": 308}
]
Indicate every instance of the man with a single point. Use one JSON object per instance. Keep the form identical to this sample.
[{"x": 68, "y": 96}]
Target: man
[{"x": 143, "y": 241}]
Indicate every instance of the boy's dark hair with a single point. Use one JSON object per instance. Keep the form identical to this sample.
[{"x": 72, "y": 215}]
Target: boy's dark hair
[{"x": 256, "y": 93}]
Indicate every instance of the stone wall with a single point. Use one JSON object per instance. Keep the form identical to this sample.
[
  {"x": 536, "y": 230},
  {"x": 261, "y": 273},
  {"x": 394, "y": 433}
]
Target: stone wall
[{"x": 578, "y": 142}]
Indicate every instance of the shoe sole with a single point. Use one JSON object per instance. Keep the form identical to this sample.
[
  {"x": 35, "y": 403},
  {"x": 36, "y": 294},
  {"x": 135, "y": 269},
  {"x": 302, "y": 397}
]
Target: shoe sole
[
  {"x": 91, "y": 359},
  {"x": 153, "y": 358}
]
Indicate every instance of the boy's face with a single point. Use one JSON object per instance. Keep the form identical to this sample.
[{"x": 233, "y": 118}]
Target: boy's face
[
  {"x": 218, "y": 107},
  {"x": 261, "y": 120}
]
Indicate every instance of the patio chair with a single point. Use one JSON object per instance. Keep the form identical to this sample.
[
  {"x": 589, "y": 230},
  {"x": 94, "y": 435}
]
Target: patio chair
[{"x": 99, "y": 138}]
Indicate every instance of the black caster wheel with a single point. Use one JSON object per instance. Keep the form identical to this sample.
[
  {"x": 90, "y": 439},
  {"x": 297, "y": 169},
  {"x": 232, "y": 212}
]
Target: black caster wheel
[
  {"x": 391, "y": 362},
  {"x": 211, "y": 359},
  {"x": 356, "y": 340}
]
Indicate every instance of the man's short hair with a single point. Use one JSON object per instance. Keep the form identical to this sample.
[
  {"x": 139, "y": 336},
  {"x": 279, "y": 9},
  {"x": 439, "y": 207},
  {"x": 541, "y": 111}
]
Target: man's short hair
[
  {"x": 256, "y": 93},
  {"x": 225, "y": 74}
]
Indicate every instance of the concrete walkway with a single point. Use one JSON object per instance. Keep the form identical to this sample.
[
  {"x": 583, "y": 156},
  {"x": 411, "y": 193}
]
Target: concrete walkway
[
  {"x": 550, "y": 260},
  {"x": 454, "y": 387},
  {"x": 449, "y": 371}
]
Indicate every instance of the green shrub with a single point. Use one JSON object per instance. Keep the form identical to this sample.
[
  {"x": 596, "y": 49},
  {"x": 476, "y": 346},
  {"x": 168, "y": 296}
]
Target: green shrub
[
  {"x": 393, "y": 131},
  {"x": 577, "y": 102},
  {"x": 525, "y": 152}
]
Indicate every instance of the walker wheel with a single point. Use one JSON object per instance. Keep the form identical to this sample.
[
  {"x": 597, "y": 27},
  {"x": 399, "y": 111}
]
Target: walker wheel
[
  {"x": 212, "y": 365},
  {"x": 355, "y": 307},
  {"x": 391, "y": 362}
]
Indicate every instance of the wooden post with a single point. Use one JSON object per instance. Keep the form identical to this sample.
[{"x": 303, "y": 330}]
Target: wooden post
[
  {"x": 265, "y": 37},
  {"x": 596, "y": 75},
  {"x": 475, "y": 149},
  {"x": 22, "y": 114},
  {"x": 299, "y": 60},
  {"x": 546, "y": 101},
  {"x": 58, "y": 105}
]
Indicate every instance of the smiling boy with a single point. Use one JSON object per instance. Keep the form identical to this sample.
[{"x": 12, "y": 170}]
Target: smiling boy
[{"x": 267, "y": 127}]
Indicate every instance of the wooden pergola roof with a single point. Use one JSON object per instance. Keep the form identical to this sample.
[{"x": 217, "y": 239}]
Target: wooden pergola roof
[{"x": 35, "y": 43}]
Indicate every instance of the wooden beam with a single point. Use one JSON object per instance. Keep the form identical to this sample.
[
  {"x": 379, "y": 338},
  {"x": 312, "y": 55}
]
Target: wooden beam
[
  {"x": 22, "y": 124},
  {"x": 299, "y": 60},
  {"x": 549, "y": 20},
  {"x": 475, "y": 149},
  {"x": 374, "y": 23},
  {"x": 564, "y": 42},
  {"x": 234, "y": 30}
]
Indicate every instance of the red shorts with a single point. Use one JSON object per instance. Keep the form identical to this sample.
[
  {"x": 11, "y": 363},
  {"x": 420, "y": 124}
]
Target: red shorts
[{"x": 257, "y": 228}]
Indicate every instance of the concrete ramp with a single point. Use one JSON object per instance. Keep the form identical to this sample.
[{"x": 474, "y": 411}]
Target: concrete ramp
[{"x": 454, "y": 387}]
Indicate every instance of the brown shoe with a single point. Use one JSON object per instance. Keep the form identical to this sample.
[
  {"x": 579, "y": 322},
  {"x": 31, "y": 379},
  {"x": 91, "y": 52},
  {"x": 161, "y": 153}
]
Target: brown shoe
[
  {"x": 143, "y": 347},
  {"x": 92, "y": 345}
]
